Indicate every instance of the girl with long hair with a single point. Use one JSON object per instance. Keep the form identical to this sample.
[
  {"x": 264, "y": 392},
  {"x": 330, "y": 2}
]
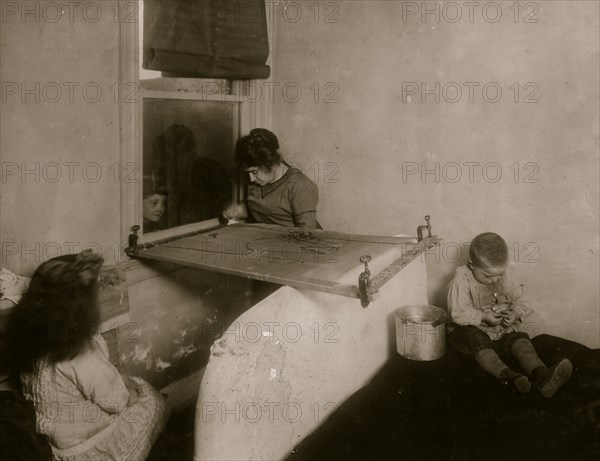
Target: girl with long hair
[{"x": 86, "y": 409}]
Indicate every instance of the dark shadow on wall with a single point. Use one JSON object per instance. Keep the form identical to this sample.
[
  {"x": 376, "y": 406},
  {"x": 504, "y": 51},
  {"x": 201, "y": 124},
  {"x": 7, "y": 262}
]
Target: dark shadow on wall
[{"x": 176, "y": 315}]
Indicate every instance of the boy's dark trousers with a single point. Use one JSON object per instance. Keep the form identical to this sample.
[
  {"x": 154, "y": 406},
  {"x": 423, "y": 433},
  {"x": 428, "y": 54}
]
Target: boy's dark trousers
[{"x": 472, "y": 342}]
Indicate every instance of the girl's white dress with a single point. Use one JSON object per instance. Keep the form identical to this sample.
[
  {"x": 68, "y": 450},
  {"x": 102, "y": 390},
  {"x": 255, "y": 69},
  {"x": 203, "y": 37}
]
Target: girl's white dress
[{"x": 81, "y": 407}]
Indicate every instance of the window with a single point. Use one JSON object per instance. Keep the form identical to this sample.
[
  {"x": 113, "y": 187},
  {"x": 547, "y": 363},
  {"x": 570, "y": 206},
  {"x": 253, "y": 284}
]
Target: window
[
  {"x": 187, "y": 151},
  {"x": 179, "y": 138},
  {"x": 188, "y": 165}
]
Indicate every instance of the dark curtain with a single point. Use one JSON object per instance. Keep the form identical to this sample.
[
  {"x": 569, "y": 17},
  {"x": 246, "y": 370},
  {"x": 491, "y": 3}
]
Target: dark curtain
[{"x": 206, "y": 38}]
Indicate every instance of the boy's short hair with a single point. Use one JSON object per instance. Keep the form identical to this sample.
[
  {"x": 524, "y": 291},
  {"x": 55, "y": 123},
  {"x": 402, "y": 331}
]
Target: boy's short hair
[
  {"x": 488, "y": 250},
  {"x": 152, "y": 186}
]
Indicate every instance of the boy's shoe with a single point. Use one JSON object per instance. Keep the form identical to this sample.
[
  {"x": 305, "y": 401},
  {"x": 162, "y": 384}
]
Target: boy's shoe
[
  {"x": 550, "y": 380},
  {"x": 520, "y": 382}
]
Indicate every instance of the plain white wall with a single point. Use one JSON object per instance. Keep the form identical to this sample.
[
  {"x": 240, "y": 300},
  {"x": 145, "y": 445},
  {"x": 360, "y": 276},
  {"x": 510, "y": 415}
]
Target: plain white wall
[
  {"x": 364, "y": 141},
  {"x": 373, "y": 134},
  {"x": 59, "y": 121}
]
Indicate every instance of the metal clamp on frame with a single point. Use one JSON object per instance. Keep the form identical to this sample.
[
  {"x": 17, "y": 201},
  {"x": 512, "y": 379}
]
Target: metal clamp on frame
[
  {"x": 364, "y": 282},
  {"x": 132, "y": 241},
  {"x": 421, "y": 228},
  {"x": 367, "y": 286}
]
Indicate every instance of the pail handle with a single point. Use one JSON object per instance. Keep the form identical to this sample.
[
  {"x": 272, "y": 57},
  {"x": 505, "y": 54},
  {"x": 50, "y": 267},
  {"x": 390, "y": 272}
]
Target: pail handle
[{"x": 441, "y": 320}]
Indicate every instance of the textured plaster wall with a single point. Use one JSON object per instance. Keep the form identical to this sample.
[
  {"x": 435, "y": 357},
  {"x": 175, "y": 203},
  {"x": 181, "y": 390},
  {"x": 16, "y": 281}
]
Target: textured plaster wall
[
  {"x": 59, "y": 127},
  {"x": 534, "y": 178}
]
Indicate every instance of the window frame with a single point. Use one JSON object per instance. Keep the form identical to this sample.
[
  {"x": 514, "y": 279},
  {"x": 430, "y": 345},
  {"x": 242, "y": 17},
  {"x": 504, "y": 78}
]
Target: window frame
[
  {"x": 241, "y": 113},
  {"x": 250, "y": 114}
]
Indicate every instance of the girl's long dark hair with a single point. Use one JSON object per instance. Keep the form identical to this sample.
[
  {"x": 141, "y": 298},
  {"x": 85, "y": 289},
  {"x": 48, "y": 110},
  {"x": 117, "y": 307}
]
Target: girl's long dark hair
[{"x": 57, "y": 316}]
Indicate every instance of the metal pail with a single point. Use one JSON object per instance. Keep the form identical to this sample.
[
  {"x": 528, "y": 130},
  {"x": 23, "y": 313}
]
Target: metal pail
[{"x": 421, "y": 332}]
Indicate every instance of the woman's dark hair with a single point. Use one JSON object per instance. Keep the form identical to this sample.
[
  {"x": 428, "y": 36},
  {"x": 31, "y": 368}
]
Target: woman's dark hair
[
  {"x": 58, "y": 314},
  {"x": 259, "y": 148}
]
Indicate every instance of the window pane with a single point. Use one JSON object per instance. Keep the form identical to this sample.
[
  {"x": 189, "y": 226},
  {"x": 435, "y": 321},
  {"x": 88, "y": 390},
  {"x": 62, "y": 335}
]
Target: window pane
[{"x": 188, "y": 160}]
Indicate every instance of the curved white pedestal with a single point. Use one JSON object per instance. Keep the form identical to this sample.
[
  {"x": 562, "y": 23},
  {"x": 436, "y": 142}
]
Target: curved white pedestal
[{"x": 286, "y": 363}]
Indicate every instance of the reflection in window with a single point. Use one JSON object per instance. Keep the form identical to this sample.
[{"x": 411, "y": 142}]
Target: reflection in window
[
  {"x": 188, "y": 160},
  {"x": 154, "y": 204}
]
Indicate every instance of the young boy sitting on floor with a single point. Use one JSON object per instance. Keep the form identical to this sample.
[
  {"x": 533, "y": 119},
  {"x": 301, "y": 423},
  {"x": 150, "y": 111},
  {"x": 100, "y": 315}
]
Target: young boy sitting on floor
[{"x": 489, "y": 307}]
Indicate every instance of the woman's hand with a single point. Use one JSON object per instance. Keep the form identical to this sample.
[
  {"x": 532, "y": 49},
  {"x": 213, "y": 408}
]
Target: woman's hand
[
  {"x": 491, "y": 318},
  {"x": 236, "y": 212}
]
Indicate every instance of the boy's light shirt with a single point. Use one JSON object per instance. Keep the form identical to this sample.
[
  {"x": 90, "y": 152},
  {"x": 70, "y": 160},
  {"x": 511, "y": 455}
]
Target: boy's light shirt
[{"x": 468, "y": 299}]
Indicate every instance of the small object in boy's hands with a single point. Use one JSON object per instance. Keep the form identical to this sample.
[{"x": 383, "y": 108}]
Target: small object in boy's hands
[{"x": 499, "y": 309}]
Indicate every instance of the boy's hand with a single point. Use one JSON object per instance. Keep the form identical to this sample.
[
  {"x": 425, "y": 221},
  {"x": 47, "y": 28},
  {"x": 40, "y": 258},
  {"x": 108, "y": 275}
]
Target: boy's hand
[
  {"x": 500, "y": 308},
  {"x": 491, "y": 318},
  {"x": 509, "y": 318}
]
